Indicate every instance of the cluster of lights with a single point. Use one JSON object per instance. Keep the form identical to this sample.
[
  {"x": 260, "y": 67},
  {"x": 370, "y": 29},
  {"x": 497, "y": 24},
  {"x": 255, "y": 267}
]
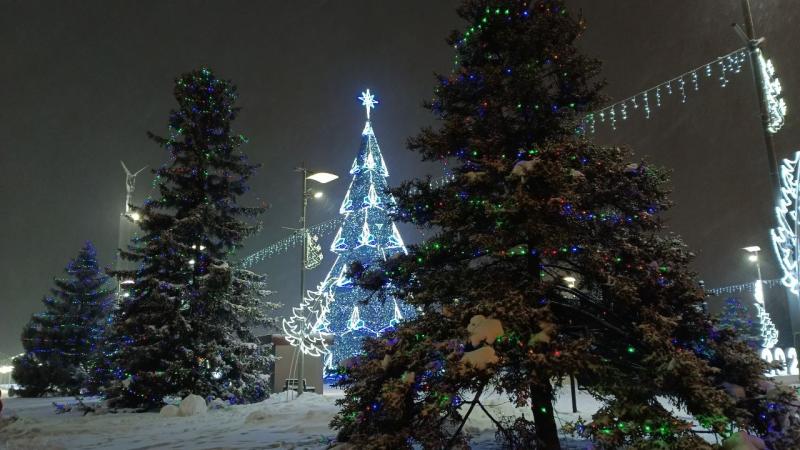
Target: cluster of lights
[
  {"x": 723, "y": 66},
  {"x": 366, "y": 234}
]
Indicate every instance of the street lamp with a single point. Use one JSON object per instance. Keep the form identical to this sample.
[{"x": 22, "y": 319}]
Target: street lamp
[
  {"x": 758, "y": 290},
  {"x": 322, "y": 178}
]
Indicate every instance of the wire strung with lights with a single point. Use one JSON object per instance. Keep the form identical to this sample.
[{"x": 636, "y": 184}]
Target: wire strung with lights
[
  {"x": 743, "y": 287},
  {"x": 652, "y": 98}
]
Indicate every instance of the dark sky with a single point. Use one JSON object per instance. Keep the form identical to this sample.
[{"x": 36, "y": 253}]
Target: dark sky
[{"x": 81, "y": 83}]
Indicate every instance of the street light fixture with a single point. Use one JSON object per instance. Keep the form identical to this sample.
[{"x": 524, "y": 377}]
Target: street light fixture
[{"x": 321, "y": 177}]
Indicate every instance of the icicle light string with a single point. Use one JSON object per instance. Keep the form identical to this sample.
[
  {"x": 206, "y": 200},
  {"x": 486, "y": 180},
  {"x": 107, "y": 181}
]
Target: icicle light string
[
  {"x": 725, "y": 65},
  {"x": 744, "y": 287},
  {"x": 729, "y": 64}
]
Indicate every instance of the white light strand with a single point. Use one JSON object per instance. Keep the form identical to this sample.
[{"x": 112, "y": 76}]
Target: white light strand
[
  {"x": 784, "y": 236},
  {"x": 725, "y": 65},
  {"x": 744, "y": 287},
  {"x": 769, "y": 334},
  {"x": 776, "y": 105},
  {"x": 289, "y": 242},
  {"x": 307, "y": 316},
  {"x": 313, "y": 251}
]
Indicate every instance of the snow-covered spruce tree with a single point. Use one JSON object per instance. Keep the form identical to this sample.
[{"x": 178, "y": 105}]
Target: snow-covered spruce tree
[
  {"x": 185, "y": 326},
  {"x": 547, "y": 259},
  {"x": 60, "y": 342}
]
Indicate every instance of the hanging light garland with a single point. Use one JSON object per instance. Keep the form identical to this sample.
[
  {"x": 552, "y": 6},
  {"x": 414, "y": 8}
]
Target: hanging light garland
[
  {"x": 744, "y": 287},
  {"x": 289, "y": 242},
  {"x": 649, "y": 99}
]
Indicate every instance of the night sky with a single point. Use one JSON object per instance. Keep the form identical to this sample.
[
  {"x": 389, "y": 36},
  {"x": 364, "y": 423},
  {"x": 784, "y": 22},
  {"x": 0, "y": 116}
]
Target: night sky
[{"x": 81, "y": 85}]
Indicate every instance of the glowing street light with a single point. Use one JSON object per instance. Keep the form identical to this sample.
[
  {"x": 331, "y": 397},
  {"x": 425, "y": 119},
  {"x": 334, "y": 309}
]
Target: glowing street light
[
  {"x": 571, "y": 281},
  {"x": 322, "y": 178},
  {"x": 135, "y": 216}
]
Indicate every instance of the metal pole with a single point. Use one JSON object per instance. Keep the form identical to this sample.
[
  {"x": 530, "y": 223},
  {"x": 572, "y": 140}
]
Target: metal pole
[
  {"x": 304, "y": 173},
  {"x": 758, "y": 76},
  {"x": 572, "y": 390},
  {"x": 755, "y": 65}
]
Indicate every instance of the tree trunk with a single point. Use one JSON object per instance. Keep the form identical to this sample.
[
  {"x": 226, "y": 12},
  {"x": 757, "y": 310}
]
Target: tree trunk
[{"x": 543, "y": 417}]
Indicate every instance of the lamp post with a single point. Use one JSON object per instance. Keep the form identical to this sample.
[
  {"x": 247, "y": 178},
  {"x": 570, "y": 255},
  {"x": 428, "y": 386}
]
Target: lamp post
[{"x": 322, "y": 178}]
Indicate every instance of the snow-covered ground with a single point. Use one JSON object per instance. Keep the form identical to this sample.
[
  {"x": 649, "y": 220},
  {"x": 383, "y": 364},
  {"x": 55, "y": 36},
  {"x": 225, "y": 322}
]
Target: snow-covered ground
[{"x": 276, "y": 423}]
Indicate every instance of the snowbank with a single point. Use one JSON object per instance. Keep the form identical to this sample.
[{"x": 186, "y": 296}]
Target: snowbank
[{"x": 276, "y": 423}]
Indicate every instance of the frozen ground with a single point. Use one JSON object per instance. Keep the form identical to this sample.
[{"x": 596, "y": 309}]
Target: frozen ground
[{"x": 280, "y": 424}]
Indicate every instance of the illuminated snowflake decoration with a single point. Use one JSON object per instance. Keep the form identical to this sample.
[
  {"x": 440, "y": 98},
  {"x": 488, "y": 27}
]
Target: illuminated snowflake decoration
[{"x": 784, "y": 236}]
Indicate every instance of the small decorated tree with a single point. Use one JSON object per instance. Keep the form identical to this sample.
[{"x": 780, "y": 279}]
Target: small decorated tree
[
  {"x": 61, "y": 342},
  {"x": 547, "y": 259}
]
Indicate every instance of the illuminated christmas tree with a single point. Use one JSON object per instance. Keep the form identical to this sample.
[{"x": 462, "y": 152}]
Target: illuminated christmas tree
[
  {"x": 186, "y": 326},
  {"x": 367, "y": 236},
  {"x": 61, "y": 341}
]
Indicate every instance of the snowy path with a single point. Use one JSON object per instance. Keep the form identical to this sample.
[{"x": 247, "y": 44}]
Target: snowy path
[{"x": 298, "y": 424}]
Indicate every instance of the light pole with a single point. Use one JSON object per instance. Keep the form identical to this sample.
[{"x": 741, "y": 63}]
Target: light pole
[
  {"x": 769, "y": 334},
  {"x": 758, "y": 289},
  {"x": 322, "y": 178},
  {"x": 753, "y": 45}
]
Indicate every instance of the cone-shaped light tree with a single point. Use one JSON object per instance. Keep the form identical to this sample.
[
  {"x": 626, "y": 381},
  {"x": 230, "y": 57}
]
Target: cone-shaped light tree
[
  {"x": 185, "y": 328},
  {"x": 548, "y": 259},
  {"x": 367, "y": 237},
  {"x": 60, "y": 342}
]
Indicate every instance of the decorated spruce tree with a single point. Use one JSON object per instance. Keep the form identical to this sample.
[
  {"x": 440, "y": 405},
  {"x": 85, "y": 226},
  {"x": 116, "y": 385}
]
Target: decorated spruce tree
[
  {"x": 737, "y": 318},
  {"x": 185, "y": 327},
  {"x": 547, "y": 259},
  {"x": 60, "y": 342}
]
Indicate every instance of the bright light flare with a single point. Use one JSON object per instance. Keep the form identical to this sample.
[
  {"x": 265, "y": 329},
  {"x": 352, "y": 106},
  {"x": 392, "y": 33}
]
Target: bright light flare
[{"x": 322, "y": 177}]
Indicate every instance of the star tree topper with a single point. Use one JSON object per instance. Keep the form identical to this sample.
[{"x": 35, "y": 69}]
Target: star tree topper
[{"x": 368, "y": 100}]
